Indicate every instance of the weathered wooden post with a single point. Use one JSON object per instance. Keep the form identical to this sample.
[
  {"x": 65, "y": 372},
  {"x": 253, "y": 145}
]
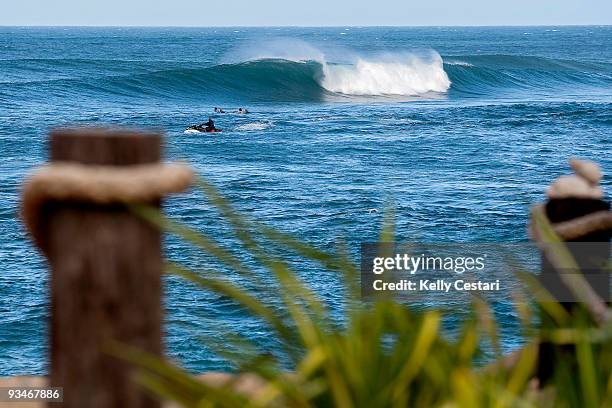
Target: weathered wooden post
[{"x": 105, "y": 261}]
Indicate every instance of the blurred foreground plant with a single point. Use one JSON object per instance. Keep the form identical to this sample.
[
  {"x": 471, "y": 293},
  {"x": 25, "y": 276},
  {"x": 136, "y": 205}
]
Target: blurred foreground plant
[{"x": 383, "y": 354}]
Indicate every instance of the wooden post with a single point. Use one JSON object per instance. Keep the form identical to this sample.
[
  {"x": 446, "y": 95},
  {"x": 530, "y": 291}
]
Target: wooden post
[
  {"x": 106, "y": 267},
  {"x": 591, "y": 261}
]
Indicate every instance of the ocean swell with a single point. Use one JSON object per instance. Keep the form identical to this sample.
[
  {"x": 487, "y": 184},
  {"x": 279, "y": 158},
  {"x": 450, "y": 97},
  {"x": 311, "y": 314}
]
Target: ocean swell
[
  {"x": 503, "y": 75},
  {"x": 311, "y": 78}
]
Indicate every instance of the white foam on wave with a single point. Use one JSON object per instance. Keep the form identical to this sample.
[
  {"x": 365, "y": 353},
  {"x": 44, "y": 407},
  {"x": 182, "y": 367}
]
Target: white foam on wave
[
  {"x": 253, "y": 126},
  {"x": 408, "y": 75},
  {"x": 459, "y": 63}
]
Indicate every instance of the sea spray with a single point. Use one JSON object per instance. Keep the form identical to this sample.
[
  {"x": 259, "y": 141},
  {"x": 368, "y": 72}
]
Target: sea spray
[{"x": 288, "y": 49}]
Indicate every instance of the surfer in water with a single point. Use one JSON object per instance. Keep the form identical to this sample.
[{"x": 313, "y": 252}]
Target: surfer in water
[
  {"x": 219, "y": 110},
  {"x": 208, "y": 126},
  {"x": 242, "y": 111}
]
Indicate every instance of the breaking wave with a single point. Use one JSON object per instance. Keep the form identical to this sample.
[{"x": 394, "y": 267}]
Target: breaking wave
[{"x": 409, "y": 76}]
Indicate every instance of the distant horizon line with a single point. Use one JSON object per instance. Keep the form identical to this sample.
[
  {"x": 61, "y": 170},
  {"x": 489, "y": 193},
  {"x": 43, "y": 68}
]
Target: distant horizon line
[{"x": 303, "y": 26}]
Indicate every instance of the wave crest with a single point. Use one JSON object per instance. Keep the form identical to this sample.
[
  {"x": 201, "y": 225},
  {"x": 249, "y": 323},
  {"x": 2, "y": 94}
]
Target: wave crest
[
  {"x": 413, "y": 76},
  {"x": 347, "y": 73}
]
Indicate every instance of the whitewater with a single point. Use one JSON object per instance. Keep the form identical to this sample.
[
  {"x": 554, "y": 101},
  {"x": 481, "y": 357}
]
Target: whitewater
[{"x": 408, "y": 76}]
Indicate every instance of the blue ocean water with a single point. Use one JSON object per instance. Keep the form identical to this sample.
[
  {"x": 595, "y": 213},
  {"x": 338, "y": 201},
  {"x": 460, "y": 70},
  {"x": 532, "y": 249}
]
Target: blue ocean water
[{"x": 460, "y": 128}]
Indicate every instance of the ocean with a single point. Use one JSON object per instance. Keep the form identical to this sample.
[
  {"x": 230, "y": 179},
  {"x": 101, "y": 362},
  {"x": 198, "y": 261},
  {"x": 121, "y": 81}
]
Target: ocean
[{"x": 460, "y": 130}]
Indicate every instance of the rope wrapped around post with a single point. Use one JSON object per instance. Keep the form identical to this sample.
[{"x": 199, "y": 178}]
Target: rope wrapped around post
[
  {"x": 106, "y": 262},
  {"x": 600, "y": 221},
  {"x": 104, "y": 185}
]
